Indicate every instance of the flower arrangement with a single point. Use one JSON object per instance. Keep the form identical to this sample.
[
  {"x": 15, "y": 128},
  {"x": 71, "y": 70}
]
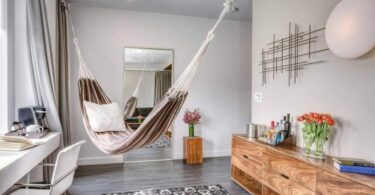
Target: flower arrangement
[
  {"x": 316, "y": 130},
  {"x": 191, "y": 118}
]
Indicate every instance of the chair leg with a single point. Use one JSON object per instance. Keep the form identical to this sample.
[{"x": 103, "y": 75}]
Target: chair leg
[{"x": 28, "y": 179}]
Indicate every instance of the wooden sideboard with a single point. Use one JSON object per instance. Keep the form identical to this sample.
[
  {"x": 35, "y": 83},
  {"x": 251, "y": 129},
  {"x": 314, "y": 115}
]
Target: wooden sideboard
[{"x": 263, "y": 169}]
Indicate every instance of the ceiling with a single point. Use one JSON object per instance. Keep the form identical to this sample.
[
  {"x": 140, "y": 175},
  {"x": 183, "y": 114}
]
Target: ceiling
[
  {"x": 198, "y": 8},
  {"x": 138, "y": 58}
]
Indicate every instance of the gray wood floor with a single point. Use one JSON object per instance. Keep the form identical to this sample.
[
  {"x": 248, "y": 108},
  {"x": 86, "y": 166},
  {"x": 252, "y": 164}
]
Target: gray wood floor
[
  {"x": 99, "y": 179},
  {"x": 147, "y": 154}
]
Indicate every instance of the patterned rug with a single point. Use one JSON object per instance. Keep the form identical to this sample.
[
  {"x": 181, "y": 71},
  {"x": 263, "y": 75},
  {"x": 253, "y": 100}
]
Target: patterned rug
[
  {"x": 162, "y": 142},
  {"x": 194, "y": 190}
]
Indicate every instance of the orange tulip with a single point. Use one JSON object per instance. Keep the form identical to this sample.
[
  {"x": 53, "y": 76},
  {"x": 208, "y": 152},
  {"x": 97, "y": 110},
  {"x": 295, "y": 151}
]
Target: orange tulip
[{"x": 330, "y": 121}]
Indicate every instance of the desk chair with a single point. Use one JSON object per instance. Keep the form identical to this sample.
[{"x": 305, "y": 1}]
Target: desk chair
[{"x": 62, "y": 176}]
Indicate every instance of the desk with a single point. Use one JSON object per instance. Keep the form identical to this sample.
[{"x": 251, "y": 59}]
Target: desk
[{"x": 15, "y": 165}]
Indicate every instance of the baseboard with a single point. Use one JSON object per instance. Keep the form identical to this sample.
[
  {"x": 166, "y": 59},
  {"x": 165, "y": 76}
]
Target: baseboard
[
  {"x": 101, "y": 160},
  {"x": 206, "y": 154},
  {"x": 120, "y": 159}
]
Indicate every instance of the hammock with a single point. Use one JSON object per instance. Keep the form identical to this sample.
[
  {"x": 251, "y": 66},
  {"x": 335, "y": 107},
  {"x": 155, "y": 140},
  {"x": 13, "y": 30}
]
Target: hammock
[
  {"x": 131, "y": 104},
  {"x": 163, "y": 113}
]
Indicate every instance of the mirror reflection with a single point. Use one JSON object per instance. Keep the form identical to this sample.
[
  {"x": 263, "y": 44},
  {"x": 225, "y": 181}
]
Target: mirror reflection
[{"x": 149, "y": 70}]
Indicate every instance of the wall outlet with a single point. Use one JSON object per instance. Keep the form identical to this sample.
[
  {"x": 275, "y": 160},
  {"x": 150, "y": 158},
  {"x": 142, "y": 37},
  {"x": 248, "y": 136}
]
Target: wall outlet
[{"x": 257, "y": 97}]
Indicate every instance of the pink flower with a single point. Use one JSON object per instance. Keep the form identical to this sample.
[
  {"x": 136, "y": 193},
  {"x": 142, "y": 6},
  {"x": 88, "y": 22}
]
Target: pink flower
[{"x": 192, "y": 117}]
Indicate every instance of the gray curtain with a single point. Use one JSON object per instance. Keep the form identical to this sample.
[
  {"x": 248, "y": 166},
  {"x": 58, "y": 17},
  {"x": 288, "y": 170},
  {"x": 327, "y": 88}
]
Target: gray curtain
[
  {"x": 50, "y": 80},
  {"x": 63, "y": 71},
  {"x": 163, "y": 81}
]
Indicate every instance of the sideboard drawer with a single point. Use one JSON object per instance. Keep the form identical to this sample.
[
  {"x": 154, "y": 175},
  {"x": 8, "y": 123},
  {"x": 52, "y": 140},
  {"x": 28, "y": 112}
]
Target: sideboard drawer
[
  {"x": 332, "y": 184},
  {"x": 241, "y": 147},
  {"x": 247, "y": 157},
  {"x": 282, "y": 184},
  {"x": 295, "y": 170}
]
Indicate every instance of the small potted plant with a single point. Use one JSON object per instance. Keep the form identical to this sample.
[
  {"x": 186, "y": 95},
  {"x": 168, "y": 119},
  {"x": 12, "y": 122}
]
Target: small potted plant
[
  {"x": 191, "y": 118},
  {"x": 316, "y": 130}
]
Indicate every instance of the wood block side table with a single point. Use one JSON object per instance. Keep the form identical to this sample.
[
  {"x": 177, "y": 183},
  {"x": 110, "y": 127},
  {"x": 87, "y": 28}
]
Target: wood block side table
[{"x": 193, "y": 153}]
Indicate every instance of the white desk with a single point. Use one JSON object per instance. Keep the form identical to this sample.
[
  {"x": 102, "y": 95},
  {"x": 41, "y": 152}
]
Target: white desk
[{"x": 15, "y": 165}]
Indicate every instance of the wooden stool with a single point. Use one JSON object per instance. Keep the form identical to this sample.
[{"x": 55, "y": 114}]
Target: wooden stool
[{"x": 193, "y": 153}]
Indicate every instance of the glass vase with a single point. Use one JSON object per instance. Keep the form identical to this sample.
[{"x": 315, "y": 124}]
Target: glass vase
[
  {"x": 308, "y": 141},
  {"x": 191, "y": 130},
  {"x": 319, "y": 151}
]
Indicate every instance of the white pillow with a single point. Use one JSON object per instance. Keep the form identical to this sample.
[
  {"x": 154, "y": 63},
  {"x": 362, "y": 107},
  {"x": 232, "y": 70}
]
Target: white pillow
[{"x": 104, "y": 117}]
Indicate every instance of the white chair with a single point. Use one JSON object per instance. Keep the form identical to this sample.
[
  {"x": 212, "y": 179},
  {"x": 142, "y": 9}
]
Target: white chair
[{"x": 62, "y": 176}]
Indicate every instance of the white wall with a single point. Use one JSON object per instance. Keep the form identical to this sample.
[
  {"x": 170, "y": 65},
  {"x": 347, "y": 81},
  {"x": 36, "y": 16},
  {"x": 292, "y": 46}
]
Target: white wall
[
  {"x": 221, "y": 89},
  {"x": 341, "y": 87},
  {"x": 146, "y": 91}
]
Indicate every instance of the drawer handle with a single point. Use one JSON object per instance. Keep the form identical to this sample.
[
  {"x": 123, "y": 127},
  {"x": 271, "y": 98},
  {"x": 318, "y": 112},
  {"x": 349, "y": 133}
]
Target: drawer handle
[
  {"x": 286, "y": 177},
  {"x": 245, "y": 156}
]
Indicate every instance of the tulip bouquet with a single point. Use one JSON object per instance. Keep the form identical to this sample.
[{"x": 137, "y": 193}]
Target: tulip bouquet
[
  {"x": 316, "y": 130},
  {"x": 191, "y": 118}
]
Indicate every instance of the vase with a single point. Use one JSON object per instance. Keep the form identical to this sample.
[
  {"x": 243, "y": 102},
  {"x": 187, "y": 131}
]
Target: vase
[
  {"x": 191, "y": 130},
  {"x": 308, "y": 141},
  {"x": 319, "y": 151}
]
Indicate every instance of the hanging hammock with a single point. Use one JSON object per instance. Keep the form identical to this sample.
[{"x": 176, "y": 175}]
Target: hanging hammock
[
  {"x": 131, "y": 104},
  {"x": 163, "y": 113}
]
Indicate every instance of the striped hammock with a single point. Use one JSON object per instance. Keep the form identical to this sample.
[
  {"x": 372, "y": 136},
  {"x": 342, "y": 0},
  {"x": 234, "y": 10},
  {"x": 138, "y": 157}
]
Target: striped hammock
[{"x": 163, "y": 113}]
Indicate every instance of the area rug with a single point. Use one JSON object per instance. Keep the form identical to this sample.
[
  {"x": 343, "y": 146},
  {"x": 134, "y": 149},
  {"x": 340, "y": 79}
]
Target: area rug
[
  {"x": 162, "y": 142},
  {"x": 194, "y": 190}
]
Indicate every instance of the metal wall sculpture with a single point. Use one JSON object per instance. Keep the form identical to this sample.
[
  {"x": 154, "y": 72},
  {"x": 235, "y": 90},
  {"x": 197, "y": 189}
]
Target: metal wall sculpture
[{"x": 290, "y": 54}]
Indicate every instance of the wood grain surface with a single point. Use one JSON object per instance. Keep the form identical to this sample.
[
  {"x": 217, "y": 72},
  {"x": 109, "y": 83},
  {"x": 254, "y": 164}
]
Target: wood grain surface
[
  {"x": 296, "y": 153},
  {"x": 285, "y": 170},
  {"x": 193, "y": 152},
  {"x": 282, "y": 184},
  {"x": 268, "y": 191},
  {"x": 295, "y": 170},
  {"x": 329, "y": 183},
  {"x": 249, "y": 183},
  {"x": 247, "y": 157}
]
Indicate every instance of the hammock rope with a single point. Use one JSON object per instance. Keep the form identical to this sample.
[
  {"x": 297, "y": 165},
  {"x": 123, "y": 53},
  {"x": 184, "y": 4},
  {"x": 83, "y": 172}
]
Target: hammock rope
[{"x": 163, "y": 113}]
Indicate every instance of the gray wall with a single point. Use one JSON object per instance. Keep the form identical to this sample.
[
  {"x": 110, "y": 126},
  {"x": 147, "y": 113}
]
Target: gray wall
[
  {"x": 342, "y": 87},
  {"x": 221, "y": 88}
]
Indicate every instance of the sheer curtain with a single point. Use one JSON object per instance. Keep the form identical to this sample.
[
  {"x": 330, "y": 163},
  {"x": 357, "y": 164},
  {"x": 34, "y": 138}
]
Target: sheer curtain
[
  {"x": 50, "y": 80},
  {"x": 44, "y": 71}
]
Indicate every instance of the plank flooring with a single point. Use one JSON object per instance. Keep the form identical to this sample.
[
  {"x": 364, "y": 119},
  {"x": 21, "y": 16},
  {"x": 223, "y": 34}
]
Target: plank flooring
[
  {"x": 99, "y": 179},
  {"x": 147, "y": 154}
]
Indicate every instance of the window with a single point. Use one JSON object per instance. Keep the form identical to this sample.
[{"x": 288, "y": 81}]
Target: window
[{"x": 4, "y": 114}]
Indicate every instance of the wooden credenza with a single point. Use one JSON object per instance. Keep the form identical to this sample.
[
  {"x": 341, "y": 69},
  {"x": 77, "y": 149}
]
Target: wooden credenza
[{"x": 263, "y": 169}]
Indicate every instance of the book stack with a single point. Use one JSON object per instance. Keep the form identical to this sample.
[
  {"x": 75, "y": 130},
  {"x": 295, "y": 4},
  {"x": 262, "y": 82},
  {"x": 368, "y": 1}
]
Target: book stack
[
  {"x": 352, "y": 165},
  {"x": 17, "y": 143}
]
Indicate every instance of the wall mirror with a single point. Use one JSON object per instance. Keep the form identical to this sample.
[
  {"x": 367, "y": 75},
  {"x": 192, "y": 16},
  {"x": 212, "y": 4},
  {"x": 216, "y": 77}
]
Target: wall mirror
[{"x": 156, "y": 66}]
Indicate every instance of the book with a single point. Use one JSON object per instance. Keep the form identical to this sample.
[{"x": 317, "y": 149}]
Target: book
[
  {"x": 355, "y": 169},
  {"x": 353, "y": 162},
  {"x": 17, "y": 143}
]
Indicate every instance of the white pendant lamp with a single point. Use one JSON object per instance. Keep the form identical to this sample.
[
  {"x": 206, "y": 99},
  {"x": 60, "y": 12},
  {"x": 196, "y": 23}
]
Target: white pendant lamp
[{"x": 350, "y": 29}]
